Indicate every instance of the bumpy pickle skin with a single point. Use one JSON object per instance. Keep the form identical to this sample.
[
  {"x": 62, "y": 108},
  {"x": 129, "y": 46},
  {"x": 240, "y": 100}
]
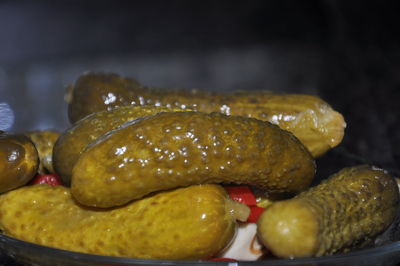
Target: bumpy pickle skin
[
  {"x": 73, "y": 141},
  {"x": 19, "y": 161},
  {"x": 188, "y": 223},
  {"x": 347, "y": 210},
  {"x": 174, "y": 149},
  {"x": 308, "y": 117},
  {"x": 44, "y": 141}
]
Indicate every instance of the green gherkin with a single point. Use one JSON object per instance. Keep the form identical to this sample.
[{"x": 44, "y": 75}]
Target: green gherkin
[
  {"x": 347, "y": 210},
  {"x": 44, "y": 141},
  {"x": 73, "y": 141},
  {"x": 176, "y": 149},
  {"x": 187, "y": 223},
  {"x": 19, "y": 161},
  {"x": 308, "y": 117}
]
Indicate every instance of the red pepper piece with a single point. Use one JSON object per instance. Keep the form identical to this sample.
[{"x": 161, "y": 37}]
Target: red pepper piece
[
  {"x": 242, "y": 194},
  {"x": 50, "y": 179},
  {"x": 255, "y": 213}
]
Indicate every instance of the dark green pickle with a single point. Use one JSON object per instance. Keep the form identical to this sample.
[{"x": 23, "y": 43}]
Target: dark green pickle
[
  {"x": 96, "y": 92},
  {"x": 73, "y": 141},
  {"x": 19, "y": 161},
  {"x": 177, "y": 149},
  {"x": 308, "y": 117}
]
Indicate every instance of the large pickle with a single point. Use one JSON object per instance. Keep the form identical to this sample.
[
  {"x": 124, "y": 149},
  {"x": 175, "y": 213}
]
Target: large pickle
[
  {"x": 19, "y": 161},
  {"x": 174, "y": 149},
  {"x": 72, "y": 142},
  {"x": 345, "y": 211},
  {"x": 44, "y": 141},
  {"x": 188, "y": 223},
  {"x": 308, "y": 117}
]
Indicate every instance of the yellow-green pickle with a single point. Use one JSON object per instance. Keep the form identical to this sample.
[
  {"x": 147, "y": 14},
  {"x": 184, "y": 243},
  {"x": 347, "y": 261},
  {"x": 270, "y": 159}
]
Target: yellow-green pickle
[
  {"x": 176, "y": 149},
  {"x": 73, "y": 141},
  {"x": 19, "y": 161},
  {"x": 195, "y": 222},
  {"x": 44, "y": 141},
  {"x": 308, "y": 117},
  {"x": 346, "y": 211}
]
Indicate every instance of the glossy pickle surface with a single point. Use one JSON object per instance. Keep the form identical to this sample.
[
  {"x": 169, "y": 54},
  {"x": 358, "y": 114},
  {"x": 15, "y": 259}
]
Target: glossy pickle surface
[
  {"x": 169, "y": 150},
  {"x": 19, "y": 161},
  {"x": 44, "y": 141},
  {"x": 308, "y": 117},
  {"x": 74, "y": 140},
  {"x": 347, "y": 210},
  {"x": 187, "y": 223}
]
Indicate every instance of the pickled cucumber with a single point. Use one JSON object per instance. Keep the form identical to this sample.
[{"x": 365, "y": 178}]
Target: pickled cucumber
[
  {"x": 44, "y": 141},
  {"x": 72, "y": 142},
  {"x": 347, "y": 210},
  {"x": 174, "y": 149},
  {"x": 308, "y": 117},
  {"x": 188, "y": 223},
  {"x": 98, "y": 93},
  {"x": 19, "y": 161}
]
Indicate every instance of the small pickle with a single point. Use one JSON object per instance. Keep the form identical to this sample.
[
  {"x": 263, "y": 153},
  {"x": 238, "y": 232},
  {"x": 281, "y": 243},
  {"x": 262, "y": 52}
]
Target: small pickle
[
  {"x": 92, "y": 93},
  {"x": 195, "y": 222},
  {"x": 19, "y": 161},
  {"x": 309, "y": 118},
  {"x": 72, "y": 142},
  {"x": 44, "y": 142},
  {"x": 347, "y": 210},
  {"x": 176, "y": 149}
]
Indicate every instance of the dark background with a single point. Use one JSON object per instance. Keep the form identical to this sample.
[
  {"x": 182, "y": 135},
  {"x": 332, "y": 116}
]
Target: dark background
[{"x": 347, "y": 52}]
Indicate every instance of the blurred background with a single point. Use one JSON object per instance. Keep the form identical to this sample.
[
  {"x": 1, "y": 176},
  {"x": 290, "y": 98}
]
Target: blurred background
[{"x": 346, "y": 52}]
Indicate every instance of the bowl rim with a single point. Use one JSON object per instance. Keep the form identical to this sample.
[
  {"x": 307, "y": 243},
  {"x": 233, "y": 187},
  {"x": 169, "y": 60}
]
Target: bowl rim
[{"x": 86, "y": 257}]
